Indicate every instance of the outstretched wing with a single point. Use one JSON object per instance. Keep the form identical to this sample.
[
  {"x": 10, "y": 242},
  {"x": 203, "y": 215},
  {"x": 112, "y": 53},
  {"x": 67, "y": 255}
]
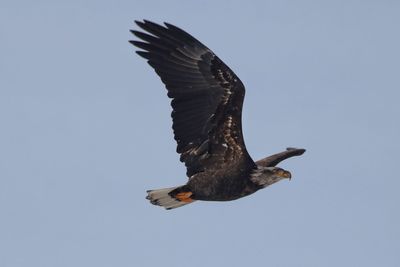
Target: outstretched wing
[
  {"x": 207, "y": 98},
  {"x": 273, "y": 160}
]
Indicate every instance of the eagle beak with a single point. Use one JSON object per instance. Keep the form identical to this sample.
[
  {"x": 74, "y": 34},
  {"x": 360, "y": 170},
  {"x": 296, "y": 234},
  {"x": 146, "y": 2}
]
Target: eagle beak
[{"x": 285, "y": 174}]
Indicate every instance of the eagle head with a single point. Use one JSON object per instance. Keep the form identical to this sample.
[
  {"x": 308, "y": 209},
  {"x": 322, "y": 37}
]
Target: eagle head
[{"x": 265, "y": 176}]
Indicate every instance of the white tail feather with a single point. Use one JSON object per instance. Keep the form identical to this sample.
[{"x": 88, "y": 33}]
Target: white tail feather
[{"x": 162, "y": 198}]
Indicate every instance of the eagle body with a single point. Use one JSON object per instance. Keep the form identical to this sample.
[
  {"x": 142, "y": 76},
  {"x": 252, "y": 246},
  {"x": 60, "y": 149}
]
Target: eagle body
[
  {"x": 207, "y": 99},
  {"x": 222, "y": 185}
]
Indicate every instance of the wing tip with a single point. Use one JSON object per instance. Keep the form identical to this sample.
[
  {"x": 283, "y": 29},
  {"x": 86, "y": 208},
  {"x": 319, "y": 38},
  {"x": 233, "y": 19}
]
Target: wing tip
[
  {"x": 139, "y": 22},
  {"x": 143, "y": 54},
  {"x": 299, "y": 151}
]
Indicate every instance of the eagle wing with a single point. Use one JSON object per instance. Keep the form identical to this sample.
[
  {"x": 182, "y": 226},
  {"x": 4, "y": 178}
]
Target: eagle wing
[{"x": 207, "y": 98}]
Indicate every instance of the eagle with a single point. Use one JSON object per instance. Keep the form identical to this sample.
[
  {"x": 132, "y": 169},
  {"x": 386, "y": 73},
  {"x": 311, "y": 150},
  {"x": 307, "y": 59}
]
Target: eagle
[{"x": 207, "y": 99}]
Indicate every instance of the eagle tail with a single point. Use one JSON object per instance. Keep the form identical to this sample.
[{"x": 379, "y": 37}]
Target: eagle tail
[{"x": 170, "y": 198}]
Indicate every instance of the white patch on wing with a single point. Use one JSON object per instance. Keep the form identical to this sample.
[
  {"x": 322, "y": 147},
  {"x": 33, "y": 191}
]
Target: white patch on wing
[
  {"x": 225, "y": 97},
  {"x": 224, "y": 82},
  {"x": 229, "y": 136}
]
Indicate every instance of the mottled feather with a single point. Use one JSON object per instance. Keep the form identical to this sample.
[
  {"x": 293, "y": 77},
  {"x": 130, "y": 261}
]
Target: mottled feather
[{"x": 207, "y": 98}]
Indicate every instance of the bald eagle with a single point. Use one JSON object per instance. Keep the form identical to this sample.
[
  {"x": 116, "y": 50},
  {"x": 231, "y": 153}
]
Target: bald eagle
[{"x": 207, "y": 99}]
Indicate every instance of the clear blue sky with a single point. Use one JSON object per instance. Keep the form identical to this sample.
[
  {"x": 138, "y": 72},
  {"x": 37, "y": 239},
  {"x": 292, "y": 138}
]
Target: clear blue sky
[{"x": 86, "y": 129}]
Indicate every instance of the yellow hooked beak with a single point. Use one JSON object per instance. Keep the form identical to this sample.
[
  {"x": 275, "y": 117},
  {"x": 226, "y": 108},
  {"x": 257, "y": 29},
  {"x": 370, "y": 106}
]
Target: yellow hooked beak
[{"x": 284, "y": 174}]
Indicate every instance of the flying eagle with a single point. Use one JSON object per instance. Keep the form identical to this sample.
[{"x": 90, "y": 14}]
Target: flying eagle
[{"x": 207, "y": 99}]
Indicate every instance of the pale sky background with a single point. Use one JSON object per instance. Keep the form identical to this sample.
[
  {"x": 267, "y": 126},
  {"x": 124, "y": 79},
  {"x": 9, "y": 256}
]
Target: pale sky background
[{"x": 86, "y": 130}]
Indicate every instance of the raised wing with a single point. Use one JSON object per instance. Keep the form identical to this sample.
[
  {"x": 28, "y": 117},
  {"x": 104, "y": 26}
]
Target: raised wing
[
  {"x": 207, "y": 98},
  {"x": 274, "y": 160}
]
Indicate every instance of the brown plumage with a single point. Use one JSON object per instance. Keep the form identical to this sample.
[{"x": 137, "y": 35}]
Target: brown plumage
[{"x": 207, "y": 99}]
